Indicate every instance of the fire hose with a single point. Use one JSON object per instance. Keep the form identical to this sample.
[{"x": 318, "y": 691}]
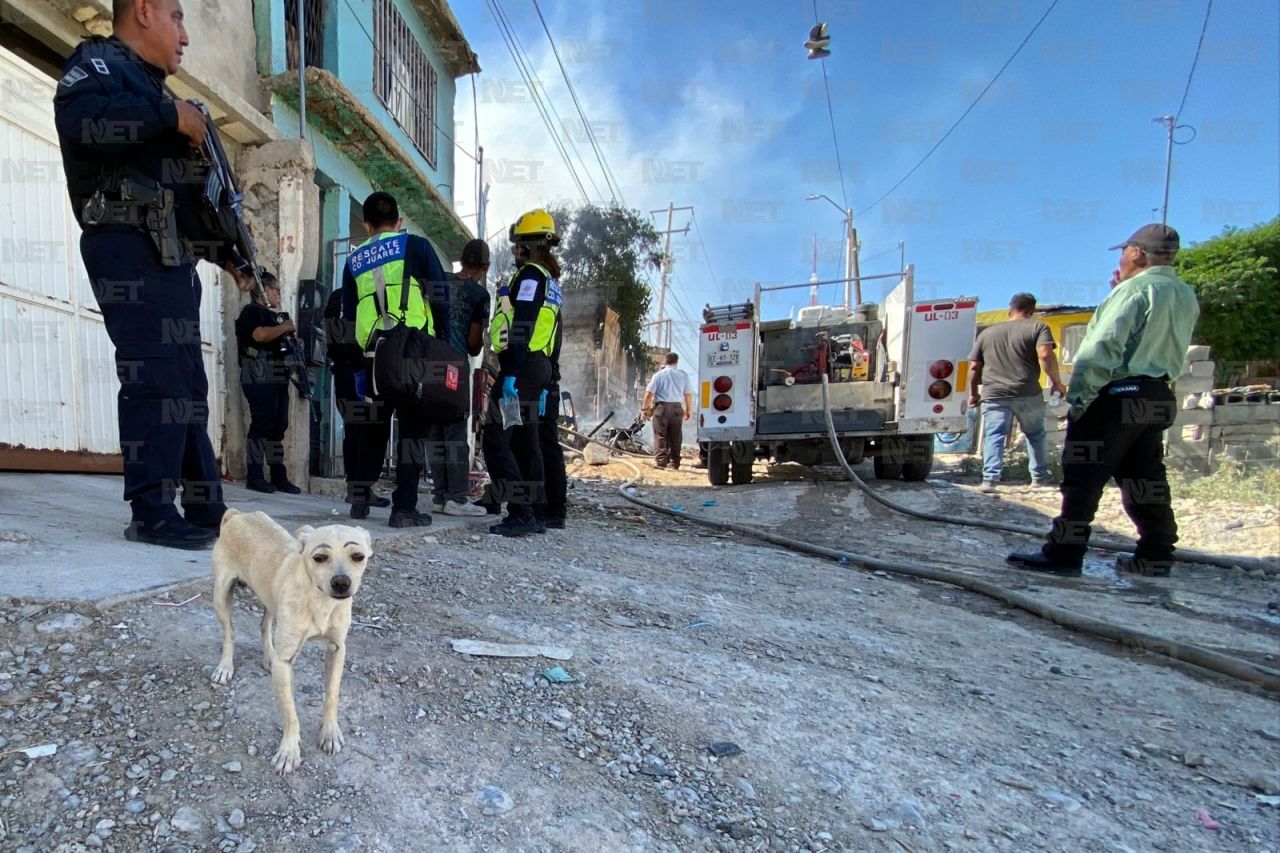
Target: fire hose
[{"x": 1234, "y": 667}]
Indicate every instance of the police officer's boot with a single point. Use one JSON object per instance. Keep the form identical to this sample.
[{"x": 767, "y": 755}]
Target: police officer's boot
[
  {"x": 170, "y": 533},
  {"x": 408, "y": 518}
]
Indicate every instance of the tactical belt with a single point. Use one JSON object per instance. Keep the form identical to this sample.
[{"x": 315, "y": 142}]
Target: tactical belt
[{"x": 143, "y": 204}]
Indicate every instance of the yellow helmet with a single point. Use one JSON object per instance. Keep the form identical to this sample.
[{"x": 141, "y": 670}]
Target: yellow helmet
[{"x": 536, "y": 226}]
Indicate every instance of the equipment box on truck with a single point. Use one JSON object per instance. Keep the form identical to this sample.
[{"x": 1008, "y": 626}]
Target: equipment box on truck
[{"x": 897, "y": 374}]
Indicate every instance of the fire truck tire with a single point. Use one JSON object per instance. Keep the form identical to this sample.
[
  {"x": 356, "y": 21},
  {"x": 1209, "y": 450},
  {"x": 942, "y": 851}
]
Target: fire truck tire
[
  {"x": 919, "y": 459},
  {"x": 718, "y": 465},
  {"x": 886, "y": 469},
  {"x": 741, "y": 473}
]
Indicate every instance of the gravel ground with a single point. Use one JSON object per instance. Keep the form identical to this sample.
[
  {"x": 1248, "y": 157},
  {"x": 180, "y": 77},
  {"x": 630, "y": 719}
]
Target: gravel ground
[{"x": 871, "y": 713}]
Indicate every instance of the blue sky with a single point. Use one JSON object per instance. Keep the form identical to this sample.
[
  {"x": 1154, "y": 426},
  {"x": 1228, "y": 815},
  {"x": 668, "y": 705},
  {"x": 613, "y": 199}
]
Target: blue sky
[{"x": 711, "y": 103}]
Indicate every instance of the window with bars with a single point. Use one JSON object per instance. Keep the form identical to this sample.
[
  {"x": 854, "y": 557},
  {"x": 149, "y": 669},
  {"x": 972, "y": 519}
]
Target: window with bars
[
  {"x": 403, "y": 79},
  {"x": 313, "y": 21}
]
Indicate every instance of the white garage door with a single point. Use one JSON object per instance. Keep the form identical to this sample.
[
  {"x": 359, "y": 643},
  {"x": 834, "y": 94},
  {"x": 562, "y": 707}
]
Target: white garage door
[{"x": 57, "y": 371}]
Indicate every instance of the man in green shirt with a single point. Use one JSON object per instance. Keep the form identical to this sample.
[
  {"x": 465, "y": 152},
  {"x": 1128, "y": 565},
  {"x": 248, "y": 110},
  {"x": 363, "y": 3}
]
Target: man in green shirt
[{"x": 1121, "y": 404}]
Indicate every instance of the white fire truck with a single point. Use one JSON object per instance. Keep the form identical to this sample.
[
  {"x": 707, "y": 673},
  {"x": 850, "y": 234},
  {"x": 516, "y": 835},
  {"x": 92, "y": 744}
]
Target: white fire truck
[{"x": 897, "y": 374}]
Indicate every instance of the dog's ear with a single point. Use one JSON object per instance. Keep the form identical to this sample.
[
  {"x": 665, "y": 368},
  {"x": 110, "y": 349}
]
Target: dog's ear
[{"x": 302, "y": 534}]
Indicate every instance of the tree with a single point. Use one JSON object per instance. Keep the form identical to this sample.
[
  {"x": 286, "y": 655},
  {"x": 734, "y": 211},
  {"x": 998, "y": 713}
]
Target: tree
[
  {"x": 1237, "y": 277},
  {"x": 612, "y": 249}
]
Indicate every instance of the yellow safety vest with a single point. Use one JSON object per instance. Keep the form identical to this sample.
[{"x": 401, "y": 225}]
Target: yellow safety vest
[
  {"x": 377, "y": 264},
  {"x": 547, "y": 327}
]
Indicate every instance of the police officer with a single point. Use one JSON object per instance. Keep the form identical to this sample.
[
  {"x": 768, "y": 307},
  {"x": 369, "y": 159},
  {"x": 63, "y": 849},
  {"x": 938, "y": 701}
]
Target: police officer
[
  {"x": 264, "y": 378},
  {"x": 346, "y": 360},
  {"x": 124, "y": 142},
  {"x": 388, "y": 261},
  {"x": 523, "y": 335}
]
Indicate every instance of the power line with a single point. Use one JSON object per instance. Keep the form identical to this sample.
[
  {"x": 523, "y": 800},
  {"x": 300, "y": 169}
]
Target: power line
[
  {"x": 706, "y": 258},
  {"x": 509, "y": 39},
  {"x": 832, "y": 116},
  {"x": 609, "y": 180},
  {"x": 963, "y": 115},
  {"x": 377, "y": 52},
  {"x": 1192, "y": 73}
]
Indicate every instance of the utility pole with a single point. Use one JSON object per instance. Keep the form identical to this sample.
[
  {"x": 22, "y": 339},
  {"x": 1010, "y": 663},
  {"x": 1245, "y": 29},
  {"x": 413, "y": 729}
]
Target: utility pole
[
  {"x": 852, "y": 273},
  {"x": 302, "y": 69},
  {"x": 1168, "y": 122},
  {"x": 813, "y": 277},
  {"x": 902, "y": 255},
  {"x": 666, "y": 264}
]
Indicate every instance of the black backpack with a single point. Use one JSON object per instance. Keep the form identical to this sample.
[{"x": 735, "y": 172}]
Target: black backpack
[{"x": 413, "y": 368}]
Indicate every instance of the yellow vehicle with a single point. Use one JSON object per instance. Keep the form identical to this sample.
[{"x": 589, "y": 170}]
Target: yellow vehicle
[{"x": 1067, "y": 322}]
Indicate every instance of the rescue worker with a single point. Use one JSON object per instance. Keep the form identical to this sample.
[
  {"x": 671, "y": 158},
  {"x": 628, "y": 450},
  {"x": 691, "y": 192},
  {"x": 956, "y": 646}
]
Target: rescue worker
[
  {"x": 389, "y": 260},
  {"x": 461, "y": 313},
  {"x": 121, "y": 135},
  {"x": 523, "y": 334},
  {"x": 264, "y": 378},
  {"x": 1121, "y": 404},
  {"x": 345, "y": 360}
]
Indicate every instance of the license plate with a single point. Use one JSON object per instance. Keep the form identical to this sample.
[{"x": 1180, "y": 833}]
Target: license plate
[{"x": 722, "y": 359}]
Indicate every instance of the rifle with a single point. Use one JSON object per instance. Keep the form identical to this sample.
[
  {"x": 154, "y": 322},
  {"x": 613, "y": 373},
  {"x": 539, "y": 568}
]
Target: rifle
[
  {"x": 221, "y": 213},
  {"x": 296, "y": 361}
]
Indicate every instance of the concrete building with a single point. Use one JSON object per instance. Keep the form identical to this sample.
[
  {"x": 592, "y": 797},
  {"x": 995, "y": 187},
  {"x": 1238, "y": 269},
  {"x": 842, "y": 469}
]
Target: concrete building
[{"x": 378, "y": 92}]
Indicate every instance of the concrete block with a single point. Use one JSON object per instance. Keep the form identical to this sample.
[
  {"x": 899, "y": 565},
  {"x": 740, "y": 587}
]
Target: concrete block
[
  {"x": 1201, "y": 368},
  {"x": 1246, "y": 413},
  {"x": 1188, "y": 417},
  {"x": 1198, "y": 352},
  {"x": 1259, "y": 432},
  {"x": 1188, "y": 384}
]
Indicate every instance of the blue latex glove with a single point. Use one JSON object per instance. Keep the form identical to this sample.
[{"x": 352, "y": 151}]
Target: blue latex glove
[
  {"x": 361, "y": 378},
  {"x": 509, "y": 388},
  {"x": 542, "y": 403}
]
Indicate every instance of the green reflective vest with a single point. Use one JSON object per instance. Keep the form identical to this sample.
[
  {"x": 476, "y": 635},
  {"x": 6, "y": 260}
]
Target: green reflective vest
[
  {"x": 547, "y": 327},
  {"x": 377, "y": 265}
]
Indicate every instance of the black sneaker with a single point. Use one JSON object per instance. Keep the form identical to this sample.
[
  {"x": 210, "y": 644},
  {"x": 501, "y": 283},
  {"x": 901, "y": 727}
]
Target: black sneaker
[
  {"x": 359, "y": 509},
  {"x": 287, "y": 488},
  {"x": 380, "y": 502},
  {"x": 1036, "y": 561},
  {"x": 409, "y": 518},
  {"x": 554, "y": 522},
  {"x": 260, "y": 486},
  {"x": 170, "y": 533},
  {"x": 1132, "y": 565},
  {"x": 508, "y": 527}
]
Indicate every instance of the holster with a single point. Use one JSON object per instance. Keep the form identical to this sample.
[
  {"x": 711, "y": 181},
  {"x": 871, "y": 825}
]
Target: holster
[{"x": 144, "y": 204}]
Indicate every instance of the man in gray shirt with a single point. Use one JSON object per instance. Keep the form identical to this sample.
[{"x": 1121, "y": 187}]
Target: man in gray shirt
[
  {"x": 1007, "y": 359},
  {"x": 670, "y": 401}
]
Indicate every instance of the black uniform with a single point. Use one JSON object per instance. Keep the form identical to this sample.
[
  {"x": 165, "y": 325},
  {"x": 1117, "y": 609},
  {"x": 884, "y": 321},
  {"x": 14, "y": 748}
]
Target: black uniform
[
  {"x": 552, "y": 512},
  {"x": 118, "y": 132},
  {"x": 264, "y": 378},
  {"x": 514, "y": 456}
]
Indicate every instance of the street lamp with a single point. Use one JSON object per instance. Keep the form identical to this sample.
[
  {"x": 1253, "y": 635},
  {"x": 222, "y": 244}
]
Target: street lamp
[{"x": 852, "y": 284}]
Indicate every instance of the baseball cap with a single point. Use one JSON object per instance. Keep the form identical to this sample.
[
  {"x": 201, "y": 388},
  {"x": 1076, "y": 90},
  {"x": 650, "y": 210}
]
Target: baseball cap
[
  {"x": 475, "y": 253},
  {"x": 1155, "y": 238}
]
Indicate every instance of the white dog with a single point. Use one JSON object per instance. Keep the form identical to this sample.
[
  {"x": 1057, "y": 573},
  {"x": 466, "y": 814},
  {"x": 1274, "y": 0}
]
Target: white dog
[{"x": 305, "y": 584}]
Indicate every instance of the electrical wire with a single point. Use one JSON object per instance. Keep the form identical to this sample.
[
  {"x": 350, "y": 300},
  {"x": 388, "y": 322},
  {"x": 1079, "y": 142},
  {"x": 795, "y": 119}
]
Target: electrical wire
[
  {"x": 509, "y": 39},
  {"x": 609, "y": 180},
  {"x": 720, "y": 287},
  {"x": 844, "y": 193},
  {"x": 965, "y": 114},
  {"x": 1194, "y": 61},
  {"x": 405, "y": 92}
]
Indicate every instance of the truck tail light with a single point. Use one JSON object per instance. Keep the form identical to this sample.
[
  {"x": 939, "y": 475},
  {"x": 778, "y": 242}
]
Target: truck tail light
[
  {"x": 941, "y": 369},
  {"x": 722, "y": 402},
  {"x": 723, "y": 384},
  {"x": 939, "y": 389}
]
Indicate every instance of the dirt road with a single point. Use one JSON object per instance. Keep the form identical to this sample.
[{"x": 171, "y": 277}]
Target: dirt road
[{"x": 871, "y": 713}]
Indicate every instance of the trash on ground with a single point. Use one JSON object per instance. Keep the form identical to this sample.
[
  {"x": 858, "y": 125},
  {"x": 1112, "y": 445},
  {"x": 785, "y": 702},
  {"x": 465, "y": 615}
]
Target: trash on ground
[
  {"x": 483, "y": 648},
  {"x": 176, "y": 603},
  {"x": 1206, "y": 820},
  {"x": 678, "y": 507},
  {"x": 693, "y": 625},
  {"x": 41, "y": 751},
  {"x": 557, "y": 675},
  {"x": 709, "y": 502}
]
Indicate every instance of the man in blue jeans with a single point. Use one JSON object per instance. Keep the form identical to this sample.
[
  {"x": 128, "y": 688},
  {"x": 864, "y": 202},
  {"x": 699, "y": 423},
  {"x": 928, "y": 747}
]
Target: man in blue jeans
[{"x": 1007, "y": 359}]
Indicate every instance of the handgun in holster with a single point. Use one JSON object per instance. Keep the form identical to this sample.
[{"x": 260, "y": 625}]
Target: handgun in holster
[{"x": 159, "y": 219}]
